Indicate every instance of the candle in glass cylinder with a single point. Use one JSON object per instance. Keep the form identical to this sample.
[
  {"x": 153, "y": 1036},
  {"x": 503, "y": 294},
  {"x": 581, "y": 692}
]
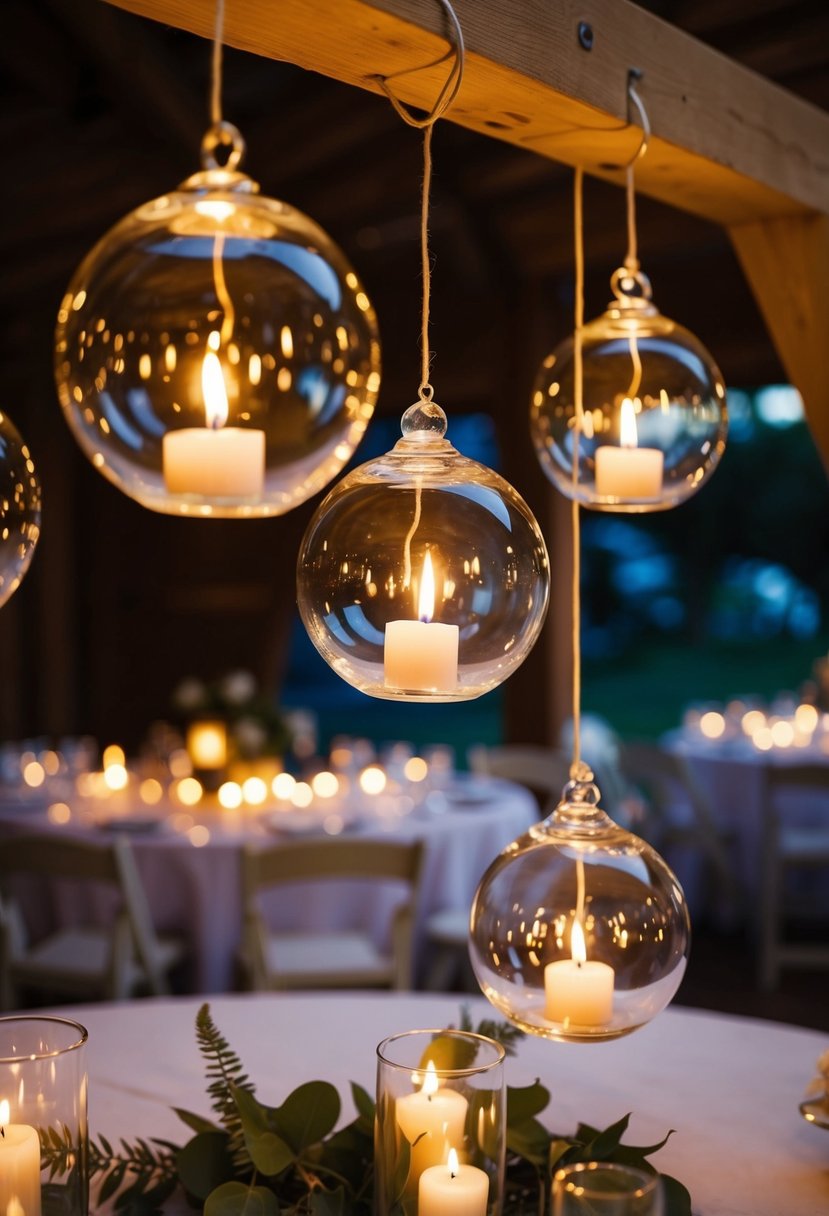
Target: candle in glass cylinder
[
  {"x": 452, "y": 1190},
  {"x": 578, "y": 992},
  {"x": 214, "y": 460},
  {"x": 422, "y": 655},
  {"x": 628, "y": 471},
  {"x": 432, "y": 1120},
  {"x": 19, "y": 1167}
]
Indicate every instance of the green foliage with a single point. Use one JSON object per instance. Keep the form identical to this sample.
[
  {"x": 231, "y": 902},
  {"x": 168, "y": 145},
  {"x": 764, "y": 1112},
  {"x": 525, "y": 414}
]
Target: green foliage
[{"x": 289, "y": 1160}]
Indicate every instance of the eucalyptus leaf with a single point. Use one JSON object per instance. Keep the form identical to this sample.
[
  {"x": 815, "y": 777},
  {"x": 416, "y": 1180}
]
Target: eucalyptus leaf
[
  {"x": 204, "y": 1163},
  {"x": 529, "y": 1140},
  {"x": 308, "y": 1114},
  {"x": 237, "y": 1199},
  {"x": 269, "y": 1153},
  {"x": 329, "y": 1203},
  {"x": 677, "y": 1198},
  {"x": 603, "y": 1145},
  {"x": 362, "y": 1102},
  {"x": 526, "y": 1101}
]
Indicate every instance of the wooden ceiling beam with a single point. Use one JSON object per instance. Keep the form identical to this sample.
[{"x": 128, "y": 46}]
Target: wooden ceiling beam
[{"x": 726, "y": 145}]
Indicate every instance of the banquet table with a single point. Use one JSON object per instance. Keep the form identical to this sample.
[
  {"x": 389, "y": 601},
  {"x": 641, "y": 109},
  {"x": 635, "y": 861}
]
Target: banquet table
[
  {"x": 192, "y": 876},
  {"x": 729, "y": 1086},
  {"x": 733, "y": 777}
]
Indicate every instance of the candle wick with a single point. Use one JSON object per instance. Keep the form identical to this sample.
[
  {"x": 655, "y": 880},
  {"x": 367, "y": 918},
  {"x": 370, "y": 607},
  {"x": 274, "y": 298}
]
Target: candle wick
[{"x": 3, "y": 1132}]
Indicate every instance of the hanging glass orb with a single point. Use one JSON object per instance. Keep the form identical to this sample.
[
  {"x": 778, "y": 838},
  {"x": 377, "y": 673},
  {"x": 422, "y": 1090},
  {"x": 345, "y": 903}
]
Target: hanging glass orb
[
  {"x": 19, "y": 509},
  {"x": 423, "y": 576},
  {"x": 216, "y": 354},
  {"x": 579, "y": 930},
  {"x": 653, "y": 424}
]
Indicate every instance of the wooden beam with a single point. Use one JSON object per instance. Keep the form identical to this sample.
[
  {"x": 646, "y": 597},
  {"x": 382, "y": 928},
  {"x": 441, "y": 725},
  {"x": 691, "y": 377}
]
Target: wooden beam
[
  {"x": 786, "y": 261},
  {"x": 727, "y": 144}
]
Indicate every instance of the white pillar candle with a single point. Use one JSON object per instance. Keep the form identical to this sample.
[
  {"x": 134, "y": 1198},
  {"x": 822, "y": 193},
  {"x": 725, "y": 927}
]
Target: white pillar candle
[
  {"x": 422, "y": 655},
  {"x": 19, "y": 1167},
  {"x": 215, "y": 460},
  {"x": 578, "y": 992},
  {"x": 432, "y": 1120},
  {"x": 453, "y": 1190},
  {"x": 628, "y": 471}
]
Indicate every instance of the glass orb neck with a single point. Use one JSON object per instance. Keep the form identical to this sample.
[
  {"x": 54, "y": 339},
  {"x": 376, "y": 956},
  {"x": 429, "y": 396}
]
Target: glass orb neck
[{"x": 579, "y": 811}]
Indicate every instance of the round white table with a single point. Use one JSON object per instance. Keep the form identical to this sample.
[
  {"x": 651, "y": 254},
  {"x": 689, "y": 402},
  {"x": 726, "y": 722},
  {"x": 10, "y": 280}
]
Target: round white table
[
  {"x": 729, "y": 1086},
  {"x": 193, "y": 881}
]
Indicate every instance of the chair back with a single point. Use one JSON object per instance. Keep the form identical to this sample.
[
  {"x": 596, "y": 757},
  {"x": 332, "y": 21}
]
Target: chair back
[
  {"x": 111, "y": 863},
  {"x": 543, "y": 770},
  {"x": 331, "y": 859}
]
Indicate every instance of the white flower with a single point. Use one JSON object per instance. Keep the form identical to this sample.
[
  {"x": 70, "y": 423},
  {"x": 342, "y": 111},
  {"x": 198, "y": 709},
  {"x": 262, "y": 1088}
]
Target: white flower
[
  {"x": 238, "y": 687},
  {"x": 190, "y": 694},
  {"x": 250, "y": 735}
]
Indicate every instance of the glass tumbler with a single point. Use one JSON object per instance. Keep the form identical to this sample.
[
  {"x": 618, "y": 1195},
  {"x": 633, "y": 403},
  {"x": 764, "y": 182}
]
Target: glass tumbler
[
  {"x": 440, "y": 1130},
  {"x": 599, "y": 1188},
  {"x": 44, "y": 1146}
]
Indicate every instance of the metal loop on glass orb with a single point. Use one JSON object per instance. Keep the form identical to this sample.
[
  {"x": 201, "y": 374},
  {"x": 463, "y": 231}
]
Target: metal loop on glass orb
[
  {"x": 650, "y": 426},
  {"x": 423, "y": 576},
  {"x": 19, "y": 508},
  {"x": 216, "y": 354},
  {"x": 579, "y": 930},
  {"x": 228, "y": 137}
]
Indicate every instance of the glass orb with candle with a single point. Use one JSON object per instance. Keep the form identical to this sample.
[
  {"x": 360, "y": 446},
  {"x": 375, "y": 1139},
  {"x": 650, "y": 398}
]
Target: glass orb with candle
[
  {"x": 44, "y": 1153},
  {"x": 653, "y": 422},
  {"x": 579, "y": 930},
  {"x": 423, "y": 576},
  {"x": 216, "y": 354},
  {"x": 19, "y": 508},
  {"x": 440, "y": 1128}
]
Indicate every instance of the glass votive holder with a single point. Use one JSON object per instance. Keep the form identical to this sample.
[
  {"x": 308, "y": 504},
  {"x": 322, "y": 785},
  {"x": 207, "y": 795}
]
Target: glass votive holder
[
  {"x": 440, "y": 1130},
  {"x": 604, "y": 1188},
  {"x": 44, "y": 1146}
]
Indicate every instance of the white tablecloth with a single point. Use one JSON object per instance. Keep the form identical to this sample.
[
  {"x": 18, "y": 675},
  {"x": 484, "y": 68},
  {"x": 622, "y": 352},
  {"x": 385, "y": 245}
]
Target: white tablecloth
[
  {"x": 194, "y": 891},
  {"x": 729, "y": 1086}
]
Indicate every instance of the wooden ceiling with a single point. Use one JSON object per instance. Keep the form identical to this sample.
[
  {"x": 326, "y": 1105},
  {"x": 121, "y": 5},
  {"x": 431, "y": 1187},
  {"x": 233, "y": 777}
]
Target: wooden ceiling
[{"x": 102, "y": 110}]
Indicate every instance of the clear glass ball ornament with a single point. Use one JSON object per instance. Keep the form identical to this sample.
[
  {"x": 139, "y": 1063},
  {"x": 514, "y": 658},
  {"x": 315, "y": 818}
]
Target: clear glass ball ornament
[
  {"x": 653, "y": 424},
  {"x": 423, "y": 576},
  {"x": 216, "y": 354},
  {"x": 579, "y": 930},
  {"x": 19, "y": 508}
]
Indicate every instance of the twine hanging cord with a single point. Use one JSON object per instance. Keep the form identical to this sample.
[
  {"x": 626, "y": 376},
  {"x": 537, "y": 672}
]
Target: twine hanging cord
[{"x": 447, "y": 95}]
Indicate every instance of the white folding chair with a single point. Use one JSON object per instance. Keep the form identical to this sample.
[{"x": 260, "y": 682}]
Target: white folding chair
[
  {"x": 111, "y": 961},
  {"x": 338, "y": 958}
]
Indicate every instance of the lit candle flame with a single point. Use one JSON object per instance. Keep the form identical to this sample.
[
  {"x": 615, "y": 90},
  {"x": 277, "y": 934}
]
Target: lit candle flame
[
  {"x": 426, "y": 597},
  {"x": 453, "y": 1163},
  {"x": 214, "y": 391},
  {"x": 577, "y": 946},
  {"x": 430, "y": 1081},
  {"x": 5, "y": 1113},
  {"x": 628, "y": 437}
]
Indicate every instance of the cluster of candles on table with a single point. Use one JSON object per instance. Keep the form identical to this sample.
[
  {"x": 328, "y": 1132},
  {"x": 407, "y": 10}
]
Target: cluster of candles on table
[{"x": 786, "y": 724}]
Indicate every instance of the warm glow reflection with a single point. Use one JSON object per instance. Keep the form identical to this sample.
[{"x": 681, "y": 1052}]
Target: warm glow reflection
[
  {"x": 34, "y": 774},
  {"x": 782, "y": 734},
  {"x": 426, "y": 598},
  {"x": 189, "y": 791},
  {"x": 179, "y": 763},
  {"x": 302, "y": 795},
  {"x": 114, "y": 755},
  {"x": 254, "y": 791},
  {"x": 752, "y": 721},
  {"x": 116, "y": 777},
  {"x": 58, "y": 812},
  {"x": 213, "y": 391},
  {"x": 415, "y": 769},
  {"x": 151, "y": 791},
  {"x": 806, "y": 718},
  {"x": 283, "y": 785}
]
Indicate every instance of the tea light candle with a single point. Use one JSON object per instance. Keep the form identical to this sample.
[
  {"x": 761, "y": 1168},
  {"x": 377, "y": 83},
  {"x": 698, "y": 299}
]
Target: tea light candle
[
  {"x": 452, "y": 1190},
  {"x": 214, "y": 460},
  {"x": 422, "y": 655},
  {"x": 19, "y": 1167},
  {"x": 628, "y": 471},
  {"x": 434, "y": 1118},
  {"x": 578, "y": 992}
]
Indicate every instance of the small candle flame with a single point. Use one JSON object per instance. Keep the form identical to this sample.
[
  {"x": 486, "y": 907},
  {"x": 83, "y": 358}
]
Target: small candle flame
[
  {"x": 214, "y": 391},
  {"x": 628, "y": 437},
  {"x": 577, "y": 946},
  {"x": 426, "y": 598},
  {"x": 430, "y": 1081},
  {"x": 5, "y": 1115},
  {"x": 453, "y": 1163}
]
